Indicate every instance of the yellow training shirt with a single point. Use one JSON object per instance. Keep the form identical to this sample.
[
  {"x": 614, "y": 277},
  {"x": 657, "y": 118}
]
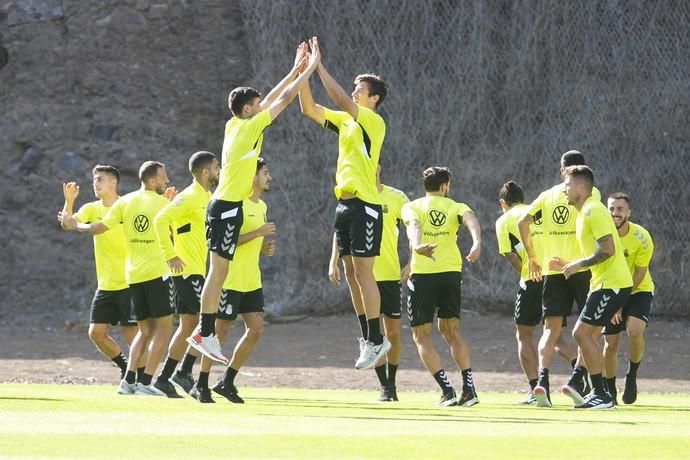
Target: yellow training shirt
[
  {"x": 557, "y": 218},
  {"x": 108, "y": 248},
  {"x": 387, "y": 264},
  {"x": 593, "y": 223},
  {"x": 244, "y": 274},
  {"x": 359, "y": 147},
  {"x": 144, "y": 259},
  {"x": 241, "y": 148},
  {"x": 638, "y": 249},
  {"x": 186, "y": 216},
  {"x": 439, "y": 221},
  {"x": 508, "y": 236}
]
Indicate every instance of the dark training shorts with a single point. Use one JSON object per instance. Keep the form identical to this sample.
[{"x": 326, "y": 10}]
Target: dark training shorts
[
  {"x": 638, "y": 305},
  {"x": 358, "y": 228},
  {"x": 391, "y": 298},
  {"x": 433, "y": 293},
  {"x": 154, "y": 298},
  {"x": 528, "y": 303},
  {"x": 601, "y": 305},
  {"x": 558, "y": 293},
  {"x": 233, "y": 303},
  {"x": 223, "y": 222},
  {"x": 112, "y": 307},
  {"x": 188, "y": 298}
]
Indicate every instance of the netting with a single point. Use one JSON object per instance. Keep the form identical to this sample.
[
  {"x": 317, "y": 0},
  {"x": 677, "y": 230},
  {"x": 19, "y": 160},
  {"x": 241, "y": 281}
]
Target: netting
[{"x": 497, "y": 91}]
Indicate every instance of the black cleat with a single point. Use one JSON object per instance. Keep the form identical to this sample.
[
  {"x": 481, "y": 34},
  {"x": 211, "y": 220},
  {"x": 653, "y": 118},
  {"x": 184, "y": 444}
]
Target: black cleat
[
  {"x": 388, "y": 393},
  {"x": 229, "y": 392},
  {"x": 184, "y": 381},
  {"x": 393, "y": 392},
  {"x": 448, "y": 398},
  {"x": 468, "y": 398},
  {"x": 203, "y": 395},
  {"x": 630, "y": 390},
  {"x": 595, "y": 401},
  {"x": 166, "y": 387}
]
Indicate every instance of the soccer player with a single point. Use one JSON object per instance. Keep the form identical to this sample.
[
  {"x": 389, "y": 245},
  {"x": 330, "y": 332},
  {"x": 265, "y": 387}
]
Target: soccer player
[
  {"x": 358, "y": 216},
  {"x": 527, "y": 311},
  {"x": 241, "y": 147},
  {"x": 558, "y": 220},
  {"x": 111, "y": 304},
  {"x": 184, "y": 218},
  {"x": 147, "y": 274},
  {"x": 610, "y": 284},
  {"x": 242, "y": 291},
  {"x": 388, "y": 277},
  {"x": 433, "y": 223},
  {"x": 638, "y": 249}
]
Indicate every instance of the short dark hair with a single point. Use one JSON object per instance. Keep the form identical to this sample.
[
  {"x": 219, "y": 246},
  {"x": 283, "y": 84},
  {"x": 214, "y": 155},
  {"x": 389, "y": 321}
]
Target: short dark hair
[
  {"x": 260, "y": 163},
  {"x": 572, "y": 158},
  {"x": 148, "y": 169},
  {"x": 620, "y": 196},
  {"x": 434, "y": 176},
  {"x": 200, "y": 160},
  {"x": 511, "y": 192},
  {"x": 239, "y": 97},
  {"x": 581, "y": 172},
  {"x": 108, "y": 169},
  {"x": 377, "y": 86}
]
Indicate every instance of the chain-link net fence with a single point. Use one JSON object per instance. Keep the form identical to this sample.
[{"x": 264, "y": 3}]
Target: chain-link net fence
[{"x": 497, "y": 91}]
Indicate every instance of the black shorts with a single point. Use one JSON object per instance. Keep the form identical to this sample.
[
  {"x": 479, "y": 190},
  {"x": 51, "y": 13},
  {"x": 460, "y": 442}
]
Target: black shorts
[
  {"x": 432, "y": 292},
  {"x": 558, "y": 293},
  {"x": 638, "y": 305},
  {"x": 528, "y": 303},
  {"x": 223, "y": 222},
  {"x": 188, "y": 298},
  {"x": 602, "y": 304},
  {"x": 112, "y": 307},
  {"x": 391, "y": 298},
  {"x": 154, "y": 298},
  {"x": 233, "y": 303},
  {"x": 358, "y": 228}
]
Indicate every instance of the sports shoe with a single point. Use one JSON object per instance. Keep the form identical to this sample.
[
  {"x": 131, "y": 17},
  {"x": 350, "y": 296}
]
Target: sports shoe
[
  {"x": 203, "y": 395},
  {"x": 362, "y": 344},
  {"x": 126, "y": 388},
  {"x": 541, "y": 394},
  {"x": 630, "y": 390},
  {"x": 573, "y": 393},
  {"x": 208, "y": 346},
  {"x": 468, "y": 398},
  {"x": 229, "y": 392},
  {"x": 529, "y": 399},
  {"x": 393, "y": 393},
  {"x": 147, "y": 390},
  {"x": 371, "y": 354},
  {"x": 184, "y": 381},
  {"x": 167, "y": 388},
  {"x": 595, "y": 401},
  {"x": 448, "y": 399},
  {"x": 388, "y": 394}
]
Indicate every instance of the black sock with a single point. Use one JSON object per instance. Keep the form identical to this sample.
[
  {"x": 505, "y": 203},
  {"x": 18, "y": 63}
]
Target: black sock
[
  {"x": 145, "y": 378},
  {"x": 121, "y": 362},
  {"x": 187, "y": 364},
  {"x": 543, "y": 379},
  {"x": 597, "y": 383},
  {"x": 443, "y": 381},
  {"x": 229, "y": 376},
  {"x": 580, "y": 372},
  {"x": 573, "y": 363},
  {"x": 467, "y": 382},
  {"x": 632, "y": 368},
  {"x": 533, "y": 383},
  {"x": 203, "y": 380},
  {"x": 130, "y": 377},
  {"x": 381, "y": 374},
  {"x": 611, "y": 386},
  {"x": 363, "y": 326},
  {"x": 374, "y": 331},
  {"x": 168, "y": 369},
  {"x": 140, "y": 372},
  {"x": 208, "y": 324},
  {"x": 392, "y": 369}
]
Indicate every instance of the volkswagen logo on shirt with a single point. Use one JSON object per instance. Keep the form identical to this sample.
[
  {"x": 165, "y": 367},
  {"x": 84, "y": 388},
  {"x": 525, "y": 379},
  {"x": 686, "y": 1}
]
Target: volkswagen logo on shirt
[
  {"x": 141, "y": 223},
  {"x": 561, "y": 214},
  {"x": 437, "y": 218}
]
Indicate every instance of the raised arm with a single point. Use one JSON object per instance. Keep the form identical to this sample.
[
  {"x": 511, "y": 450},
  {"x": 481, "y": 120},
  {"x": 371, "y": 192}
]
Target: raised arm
[
  {"x": 470, "y": 221},
  {"x": 337, "y": 93},
  {"x": 70, "y": 191},
  {"x": 297, "y": 67},
  {"x": 533, "y": 264},
  {"x": 309, "y": 107}
]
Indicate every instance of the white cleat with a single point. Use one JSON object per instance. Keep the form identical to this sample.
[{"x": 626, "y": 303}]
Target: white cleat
[
  {"x": 372, "y": 353},
  {"x": 126, "y": 388},
  {"x": 208, "y": 346},
  {"x": 147, "y": 390}
]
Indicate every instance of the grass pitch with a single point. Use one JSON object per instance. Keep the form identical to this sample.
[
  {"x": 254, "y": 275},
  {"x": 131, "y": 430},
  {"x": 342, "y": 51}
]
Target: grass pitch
[{"x": 92, "y": 421}]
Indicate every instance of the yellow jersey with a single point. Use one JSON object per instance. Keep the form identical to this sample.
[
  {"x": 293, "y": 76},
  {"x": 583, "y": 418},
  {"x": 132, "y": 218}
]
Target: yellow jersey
[
  {"x": 359, "y": 148},
  {"x": 439, "y": 221},
  {"x": 593, "y": 223},
  {"x": 638, "y": 249},
  {"x": 186, "y": 217},
  {"x": 244, "y": 274},
  {"x": 108, "y": 248},
  {"x": 241, "y": 148},
  {"x": 387, "y": 264},
  {"x": 508, "y": 236},
  {"x": 144, "y": 259}
]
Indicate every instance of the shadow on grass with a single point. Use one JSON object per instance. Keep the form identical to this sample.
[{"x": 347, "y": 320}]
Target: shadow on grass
[{"x": 21, "y": 398}]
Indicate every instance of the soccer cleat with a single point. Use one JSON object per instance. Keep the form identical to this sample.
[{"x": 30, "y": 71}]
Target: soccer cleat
[
  {"x": 229, "y": 392},
  {"x": 541, "y": 394},
  {"x": 167, "y": 388},
  {"x": 203, "y": 395},
  {"x": 595, "y": 401},
  {"x": 362, "y": 344},
  {"x": 392, "y": 393},
  {"x": 571, "y": 392},
  {"x": 630, "y": 390},
  {"x": 208, "y": 346},
  {"x": 448, "y": 398},
  {"x": 388, "y": 393},
  {"x": 126, "y": 388},
  {"x": 147, "y": 390},
  {"x": 529, "y": 399},
  {"x": 468, "y": 398},
  {"x": 383, "y": 395},
  {"x": 184, "y": 381},
  {"x": 371, "y": 354}
]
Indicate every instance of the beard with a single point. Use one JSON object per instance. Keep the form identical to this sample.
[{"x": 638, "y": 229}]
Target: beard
[{"x": 622, "y": 222}]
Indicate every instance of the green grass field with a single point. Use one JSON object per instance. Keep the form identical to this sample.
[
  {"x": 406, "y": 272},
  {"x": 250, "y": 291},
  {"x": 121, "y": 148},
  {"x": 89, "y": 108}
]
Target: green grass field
[{"x": 92, "y": 421}]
